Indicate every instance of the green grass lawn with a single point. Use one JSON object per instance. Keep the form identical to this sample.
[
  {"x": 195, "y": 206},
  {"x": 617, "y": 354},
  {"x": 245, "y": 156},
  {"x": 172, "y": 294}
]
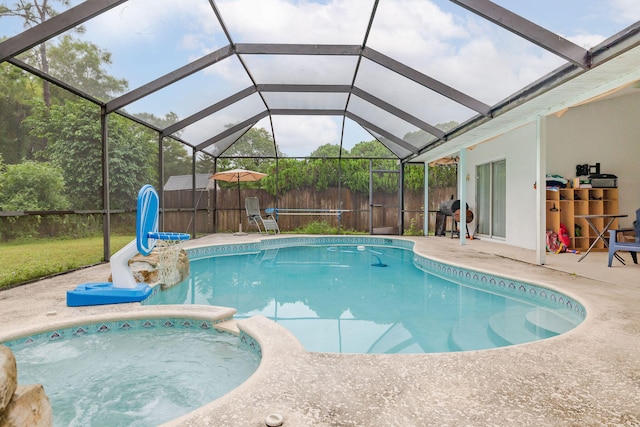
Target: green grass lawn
[{"x": 23, "y": 261}]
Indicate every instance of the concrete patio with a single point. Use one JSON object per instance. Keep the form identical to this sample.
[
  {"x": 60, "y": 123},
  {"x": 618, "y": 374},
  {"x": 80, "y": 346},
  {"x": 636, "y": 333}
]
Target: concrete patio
[{"x": 589, "y": 376}]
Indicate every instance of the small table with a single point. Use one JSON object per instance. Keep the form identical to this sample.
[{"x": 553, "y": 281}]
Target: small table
[{"x": 601, "y": 233}]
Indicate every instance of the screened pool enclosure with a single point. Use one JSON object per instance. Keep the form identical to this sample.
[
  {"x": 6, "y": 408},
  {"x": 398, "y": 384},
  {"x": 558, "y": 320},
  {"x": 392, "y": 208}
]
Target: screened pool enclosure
[{"x": 343, "y": 104}]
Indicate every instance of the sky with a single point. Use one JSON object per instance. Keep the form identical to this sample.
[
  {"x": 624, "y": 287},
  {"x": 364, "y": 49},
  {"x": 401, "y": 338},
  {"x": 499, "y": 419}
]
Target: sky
[{"x": 149, "y": 38}]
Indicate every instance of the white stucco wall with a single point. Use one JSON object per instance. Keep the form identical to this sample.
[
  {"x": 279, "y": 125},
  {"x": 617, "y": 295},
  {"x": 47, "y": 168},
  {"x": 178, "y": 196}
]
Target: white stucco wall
[
  {"x": 608, "y": 132},
  {"x": 518, "y": 148}
]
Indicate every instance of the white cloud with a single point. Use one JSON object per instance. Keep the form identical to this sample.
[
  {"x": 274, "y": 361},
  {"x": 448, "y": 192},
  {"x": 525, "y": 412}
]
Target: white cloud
[
  {"x": 144, "y": 20},
  {"x": 464, "y": 51},
  {"x": 461, "y": 49},
  {"x": 295, "y": 135},
  {"x": 586, "y": 41},
  {"x": 412, "y": 25},
  {"x": 280, "y": 21},
  {"x": 625, "y": 11}
]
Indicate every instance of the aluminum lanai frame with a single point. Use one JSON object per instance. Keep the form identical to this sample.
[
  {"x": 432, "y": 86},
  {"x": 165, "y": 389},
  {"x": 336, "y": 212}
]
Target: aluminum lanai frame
[{"x": 579, "y": 61}]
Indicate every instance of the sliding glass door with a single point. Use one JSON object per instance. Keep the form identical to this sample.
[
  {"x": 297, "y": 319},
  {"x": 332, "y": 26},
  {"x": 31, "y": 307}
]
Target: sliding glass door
[{"x": 491, "y": 190}]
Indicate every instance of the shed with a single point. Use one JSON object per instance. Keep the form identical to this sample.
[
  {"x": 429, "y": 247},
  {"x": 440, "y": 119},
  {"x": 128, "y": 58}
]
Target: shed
[{"x": 185, "y": 182}]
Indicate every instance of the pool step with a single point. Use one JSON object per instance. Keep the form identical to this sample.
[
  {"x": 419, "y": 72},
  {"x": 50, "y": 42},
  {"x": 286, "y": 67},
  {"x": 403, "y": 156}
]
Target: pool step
[
  {"x": 548, "y": 322},
  {"x": 472, "y": 333},
  {"x": 513, "y": 326}
]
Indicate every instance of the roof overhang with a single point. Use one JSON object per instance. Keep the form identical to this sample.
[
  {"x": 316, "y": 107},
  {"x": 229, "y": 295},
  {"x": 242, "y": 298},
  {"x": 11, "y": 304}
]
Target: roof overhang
[{"x": 612, "y": 75}]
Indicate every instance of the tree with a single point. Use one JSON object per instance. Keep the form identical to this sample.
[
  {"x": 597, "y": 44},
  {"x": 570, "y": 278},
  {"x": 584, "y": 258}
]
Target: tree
[
  {"x": 325, "y": 171},
  {"x": 82, "y": 63},
  {"x": 443, "y": 176},
  {"x": 414, "y": 177},
  {"x": 35, "y": 12},
  {"x": 439, "y": 175},
  {"x": 248, "y": 150},
  {"x": 159, "y": 122},
  {"x": 176, "y": 157},
  {"x": 370, "y": 149},
  {"x": 204, "y": 163},
  {"x": 255, "y": 150},
  {"x": 356, "y": 169},
  {"x": 17, "y": 91},
  {"x": 326, "y": 150},
  {"x": 31, "y": 186},
  {"x": 291, "y": 174},
  {"x": 73, "y": 132},
  {"x": 177, "y": 160}
]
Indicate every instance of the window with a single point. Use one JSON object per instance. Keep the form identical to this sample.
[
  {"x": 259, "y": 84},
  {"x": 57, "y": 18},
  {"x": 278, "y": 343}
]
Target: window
[{"x": 491, "y": 190}]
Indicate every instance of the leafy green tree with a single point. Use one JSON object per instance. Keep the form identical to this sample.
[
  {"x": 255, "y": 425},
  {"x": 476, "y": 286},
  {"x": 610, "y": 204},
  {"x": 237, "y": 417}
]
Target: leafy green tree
[
  {"x": 133, "y": 160},
  {"x": 414, "y": 177},
  {"x": 355, "y": 175},
  {"x": 31, "y": 186},
  {"x": 439, "y": 175},
  {"x": 325, "y": 171},
  {"x": 255, "y": 150},
  {"x": 73, "y": 132},
  {"x": 356, "y": 168},
  {"x": 34, "y": 12},
  {"x": 248, "y": 150},
  {"x": 82, "y": 63},
  {"x": 443, "y": 175},
  {"x": 447, "y": 126},
  {"x": 326, "y": 150},
  {"x": 204, "y": 163},
  {"x": 17, "y": 89},
  {"x": 291, "y": 174},
  {"x": 370, "y": 149},
  {"x": 177, "y": 160},
  {"x": 159, "y": 122}
]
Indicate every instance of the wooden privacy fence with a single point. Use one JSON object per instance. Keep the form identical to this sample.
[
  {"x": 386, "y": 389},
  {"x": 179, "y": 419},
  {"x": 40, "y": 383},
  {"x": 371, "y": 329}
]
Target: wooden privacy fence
[{"x": 223, "y": 214}]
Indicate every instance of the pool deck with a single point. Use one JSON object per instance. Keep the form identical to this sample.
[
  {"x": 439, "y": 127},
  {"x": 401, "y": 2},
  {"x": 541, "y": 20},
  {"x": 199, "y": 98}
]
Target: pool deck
[{"x": 589, "y": 376}]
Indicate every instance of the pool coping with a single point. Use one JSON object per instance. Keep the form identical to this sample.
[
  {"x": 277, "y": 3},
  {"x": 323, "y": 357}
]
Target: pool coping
[
  {"x": 509, "y": 286},
  {"x": 141, "y": 318}
]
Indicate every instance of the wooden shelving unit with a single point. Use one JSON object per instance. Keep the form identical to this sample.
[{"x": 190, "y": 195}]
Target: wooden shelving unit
[{"x": 564, "y": 203}]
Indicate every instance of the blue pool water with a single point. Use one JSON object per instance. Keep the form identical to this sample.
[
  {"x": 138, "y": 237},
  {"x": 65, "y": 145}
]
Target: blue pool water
[
  {"x": 141, "y": 377},
  {"x": 373, "y": 299}
]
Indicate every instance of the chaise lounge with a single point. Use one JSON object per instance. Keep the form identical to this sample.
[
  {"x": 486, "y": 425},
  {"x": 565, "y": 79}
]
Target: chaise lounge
[
  {"x": 263, "y": 224},
  {"x": 632, "y": 247}
]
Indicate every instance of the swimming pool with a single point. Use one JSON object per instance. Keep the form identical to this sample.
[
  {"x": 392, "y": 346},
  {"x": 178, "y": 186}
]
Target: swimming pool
[
  {"x": 133, "y": 372},
  {"x": 371, "y": 295}
]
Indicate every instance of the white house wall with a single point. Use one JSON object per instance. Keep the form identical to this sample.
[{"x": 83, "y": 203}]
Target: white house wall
[
  {"x": 518, "y": 148},
  {"x": 607, "y": 132}
]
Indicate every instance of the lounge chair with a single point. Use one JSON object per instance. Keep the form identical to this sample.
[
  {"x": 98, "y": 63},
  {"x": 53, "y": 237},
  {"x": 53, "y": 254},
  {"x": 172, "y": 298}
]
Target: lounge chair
[
  {"x": 254, "y": 218},
  {"x": 632, "y": 246}
]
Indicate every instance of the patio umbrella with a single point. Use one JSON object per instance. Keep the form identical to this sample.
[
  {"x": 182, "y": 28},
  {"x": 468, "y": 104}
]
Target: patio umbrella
[{"x": 237, "y": 175}]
